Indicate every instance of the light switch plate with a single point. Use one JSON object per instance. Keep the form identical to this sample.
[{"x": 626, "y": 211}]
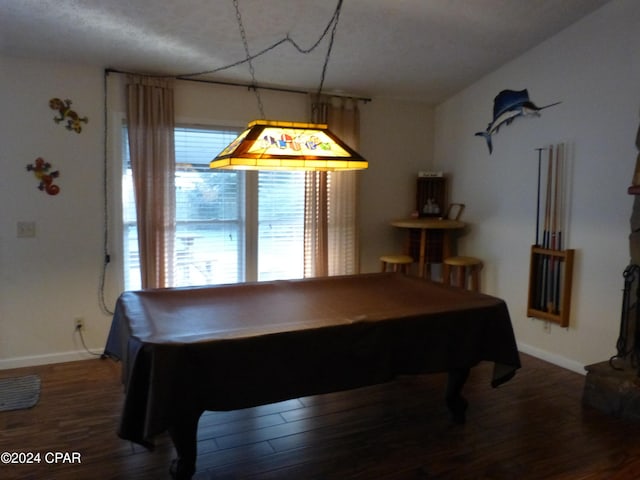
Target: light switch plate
[{"x": 26, "y": 229}]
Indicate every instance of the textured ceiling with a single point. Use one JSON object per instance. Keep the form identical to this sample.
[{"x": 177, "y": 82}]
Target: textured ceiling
[{"x": 424, "y": 50}]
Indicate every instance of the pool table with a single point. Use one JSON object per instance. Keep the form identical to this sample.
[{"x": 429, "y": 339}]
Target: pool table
[{"x": 187, "y": 350}]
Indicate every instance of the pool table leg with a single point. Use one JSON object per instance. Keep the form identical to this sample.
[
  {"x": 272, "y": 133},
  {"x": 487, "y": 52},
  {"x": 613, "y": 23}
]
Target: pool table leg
[
  {"x": 184, "y": 435},
  {"x": 456, "y": 403}
]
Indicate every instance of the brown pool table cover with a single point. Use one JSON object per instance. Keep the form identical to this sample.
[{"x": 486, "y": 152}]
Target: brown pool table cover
[{"x": 236, "y": 346}]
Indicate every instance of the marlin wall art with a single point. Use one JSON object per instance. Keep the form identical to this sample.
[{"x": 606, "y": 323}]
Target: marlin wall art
[{"x": 507, "y": 106}]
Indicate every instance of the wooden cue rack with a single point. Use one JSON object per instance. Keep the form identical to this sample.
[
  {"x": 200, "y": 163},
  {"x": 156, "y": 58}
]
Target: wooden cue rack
[
  {"x": 431, "y": 189},
  {"x": 428, "y": 189},
  {"x": 557, "y": 308}
]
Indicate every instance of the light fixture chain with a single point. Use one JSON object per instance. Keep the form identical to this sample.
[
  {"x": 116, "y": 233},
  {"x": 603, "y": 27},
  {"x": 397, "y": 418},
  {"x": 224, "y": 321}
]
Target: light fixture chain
[
  {"x": 335, "y": 19},
  {"x": 243, "y": 33},
  {"x": 286, "y": 39}
]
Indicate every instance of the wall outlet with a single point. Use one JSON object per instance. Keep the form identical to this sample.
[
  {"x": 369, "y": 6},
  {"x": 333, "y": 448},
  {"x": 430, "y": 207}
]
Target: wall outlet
[{"x": 78, "y": 323}]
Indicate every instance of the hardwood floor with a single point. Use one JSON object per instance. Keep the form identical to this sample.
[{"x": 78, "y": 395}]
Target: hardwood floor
[{"x": 533, "y": 427}]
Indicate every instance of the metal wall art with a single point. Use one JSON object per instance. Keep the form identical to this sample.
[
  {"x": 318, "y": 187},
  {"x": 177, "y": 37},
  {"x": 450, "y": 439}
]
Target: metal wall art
[
  {"x": 64, "y": 109},
  {"x": 507, "y": 106},
  {"x": 42, "y": 171}
]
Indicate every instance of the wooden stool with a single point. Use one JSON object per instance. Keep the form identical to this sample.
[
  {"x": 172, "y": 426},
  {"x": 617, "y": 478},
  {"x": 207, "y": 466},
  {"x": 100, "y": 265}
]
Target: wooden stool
[
  {"x": 461, "y": 267},
  {"x": 396, "y": 261}
]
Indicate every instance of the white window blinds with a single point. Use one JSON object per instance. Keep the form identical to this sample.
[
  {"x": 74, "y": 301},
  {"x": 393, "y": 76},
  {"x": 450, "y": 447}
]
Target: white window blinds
[{"x": 280, "y": 225}]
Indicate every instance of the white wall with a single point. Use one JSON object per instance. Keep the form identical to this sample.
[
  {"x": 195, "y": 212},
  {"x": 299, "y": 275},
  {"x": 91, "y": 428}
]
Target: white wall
[
  {"x": 593, "y": 67},
  {"x": 397, "y": 139},
  {"x": 48, "y": 280}
]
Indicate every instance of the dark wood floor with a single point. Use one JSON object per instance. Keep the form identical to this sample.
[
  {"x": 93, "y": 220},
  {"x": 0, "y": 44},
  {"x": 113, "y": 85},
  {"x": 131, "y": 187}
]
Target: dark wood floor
[{"x": 533, "y": 427}]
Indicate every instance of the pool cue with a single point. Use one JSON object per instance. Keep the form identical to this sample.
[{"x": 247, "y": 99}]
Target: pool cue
[
  {"x": 560, "y": 213},
  {"x": 553, "y": 243},
  {"x": 545, "y": 233},
  {"x": 538, "y": 198},
  {"x": 538, "y": 265}
]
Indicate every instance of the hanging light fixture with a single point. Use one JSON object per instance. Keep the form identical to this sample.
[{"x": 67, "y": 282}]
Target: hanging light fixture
[
  {"x": 269, "y": 145},
  {"x": 274, "y": 145}
]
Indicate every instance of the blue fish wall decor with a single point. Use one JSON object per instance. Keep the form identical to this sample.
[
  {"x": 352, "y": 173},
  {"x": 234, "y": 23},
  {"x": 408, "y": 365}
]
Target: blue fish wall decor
[{"x": 507, "y": 106}]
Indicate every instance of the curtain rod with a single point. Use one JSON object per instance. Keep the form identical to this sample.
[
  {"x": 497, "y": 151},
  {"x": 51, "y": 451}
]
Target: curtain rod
[{"x": 234, "y": 84}]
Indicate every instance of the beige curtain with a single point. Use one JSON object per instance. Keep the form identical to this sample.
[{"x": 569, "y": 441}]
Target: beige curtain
[
  {"x": 150, "y": 125},
  {"x": 331, "y": 217}
]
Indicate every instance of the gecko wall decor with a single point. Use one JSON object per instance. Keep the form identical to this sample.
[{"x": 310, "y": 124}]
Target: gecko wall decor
[
  {"x": 64, "y": 109},
  {"x": 42, "y": 171}
]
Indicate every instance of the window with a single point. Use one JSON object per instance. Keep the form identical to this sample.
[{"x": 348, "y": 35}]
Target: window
[
  {"x": 280, "y": 225},
  {"x": 219, "y": 237}
]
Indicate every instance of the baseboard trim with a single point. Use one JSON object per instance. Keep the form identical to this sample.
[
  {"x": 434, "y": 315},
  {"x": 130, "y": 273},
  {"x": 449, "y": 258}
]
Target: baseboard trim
[
  {"x": 554, "y": 358},
  {"x": 34, "y": 360}
]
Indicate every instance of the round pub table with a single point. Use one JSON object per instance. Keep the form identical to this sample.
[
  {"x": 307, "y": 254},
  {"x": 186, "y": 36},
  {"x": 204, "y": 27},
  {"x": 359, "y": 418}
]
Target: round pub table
[{"x": 430, "y": 223}]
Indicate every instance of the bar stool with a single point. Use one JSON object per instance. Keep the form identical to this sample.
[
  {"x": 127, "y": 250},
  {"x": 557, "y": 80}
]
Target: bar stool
[
  {"x": 402, "y": 262},
  {"x": 462, "y": 266}
]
